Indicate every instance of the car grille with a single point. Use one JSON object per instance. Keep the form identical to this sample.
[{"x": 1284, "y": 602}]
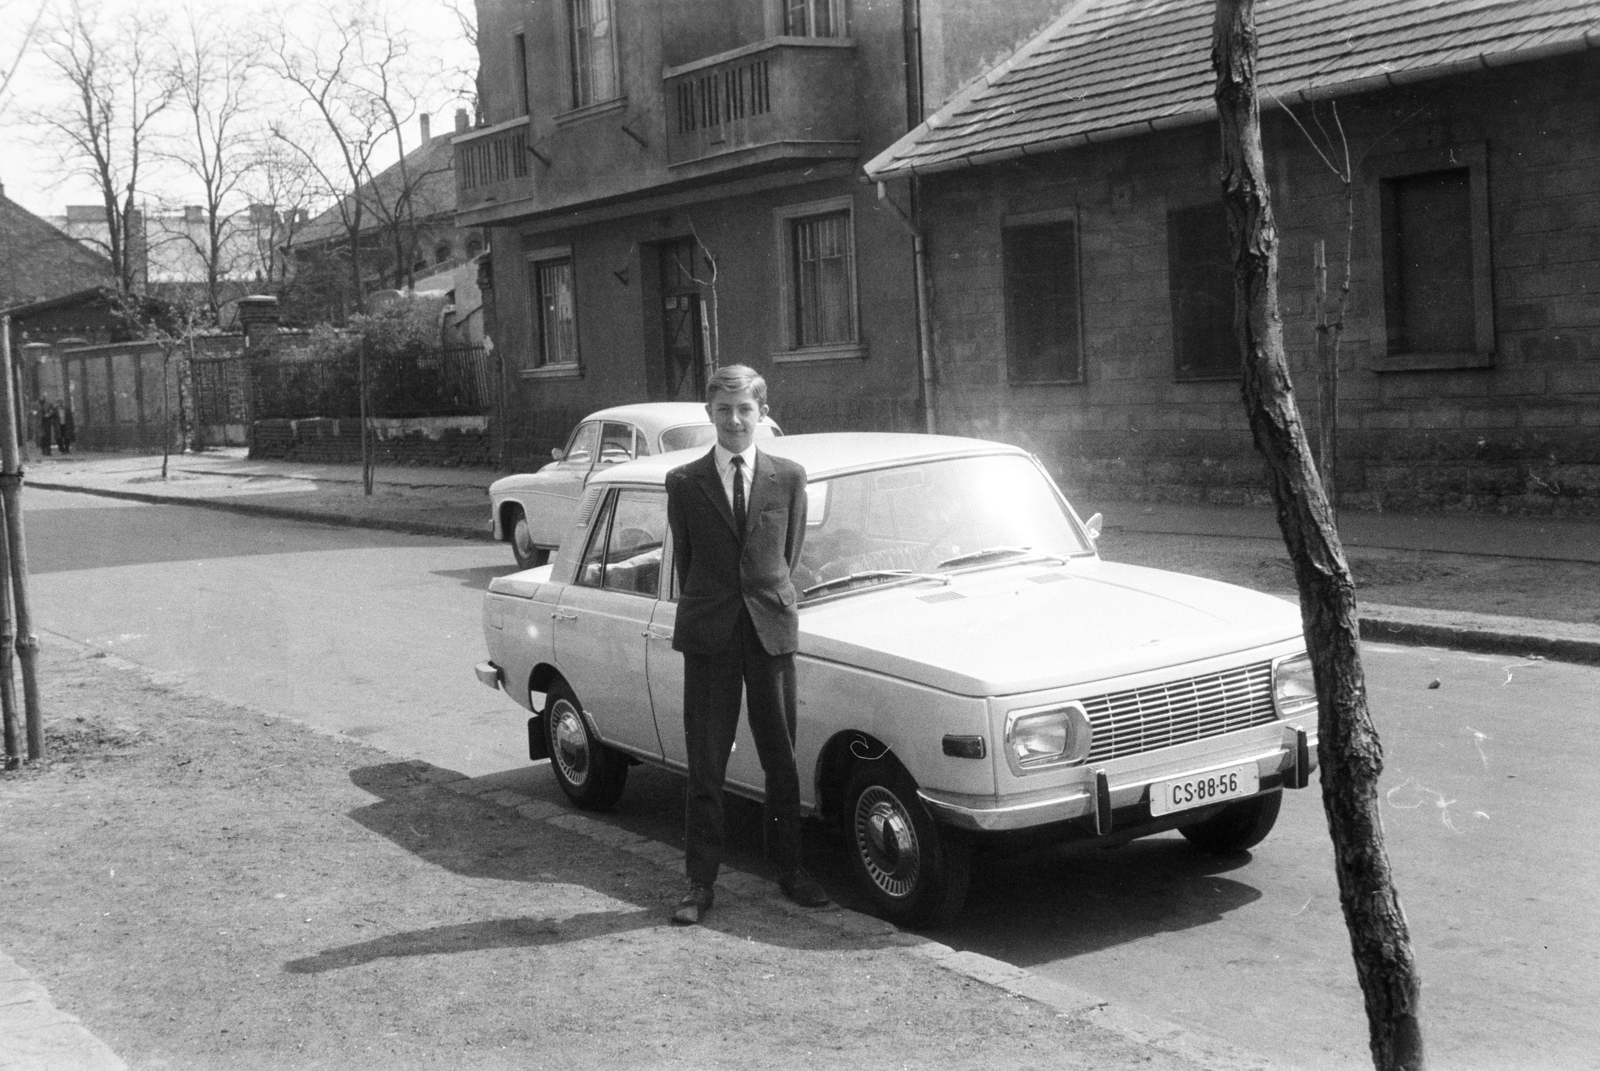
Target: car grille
[{"x": 1144, "y": 719}]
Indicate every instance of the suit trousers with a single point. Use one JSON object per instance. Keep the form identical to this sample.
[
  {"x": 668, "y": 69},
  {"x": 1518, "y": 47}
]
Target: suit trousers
[{"x": 712, "y": 684}]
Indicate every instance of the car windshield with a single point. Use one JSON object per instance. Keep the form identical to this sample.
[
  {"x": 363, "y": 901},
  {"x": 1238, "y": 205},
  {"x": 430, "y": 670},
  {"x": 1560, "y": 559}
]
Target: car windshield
[
  {"x": 930, "y": 517},
  {"x": 685, "y": 436}
]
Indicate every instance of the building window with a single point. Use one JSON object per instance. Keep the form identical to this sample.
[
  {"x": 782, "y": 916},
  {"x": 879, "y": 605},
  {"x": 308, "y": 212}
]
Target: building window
[
  {"x": 554, "y": 309},
  {"x": 815, "y": 18},
  {"x": 816, "y": 251},
  {"x": 593, "y": 53},
  {"x": 1437, "y": 296},
  {"x": 1043, "y": 338},
  {"x": 520, "y": 54},
  {"x": 1200, "y": 283}
]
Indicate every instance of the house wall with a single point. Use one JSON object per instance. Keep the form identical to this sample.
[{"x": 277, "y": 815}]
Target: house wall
[
  {"x": 610, "y": 199},
  {"x": 1521, "y": 434}
]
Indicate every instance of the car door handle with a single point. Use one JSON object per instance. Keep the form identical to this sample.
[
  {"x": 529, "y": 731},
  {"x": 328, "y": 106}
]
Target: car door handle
[
  {"x": 651, "y": 634},
  {"x": 559, "y": 616}
]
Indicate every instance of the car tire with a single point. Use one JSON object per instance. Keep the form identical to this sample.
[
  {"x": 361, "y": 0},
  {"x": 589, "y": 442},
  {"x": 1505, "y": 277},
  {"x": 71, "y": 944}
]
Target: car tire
[
  {"x": 913, "y": 870},
  {"x": 1238, "y": 826},
  {"x": 591, "y": 774},
  {"x": 521, "y": 539}
]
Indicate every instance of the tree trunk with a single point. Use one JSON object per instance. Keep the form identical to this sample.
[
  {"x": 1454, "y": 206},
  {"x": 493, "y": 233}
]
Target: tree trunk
[{"x": 1349, "y": 752}]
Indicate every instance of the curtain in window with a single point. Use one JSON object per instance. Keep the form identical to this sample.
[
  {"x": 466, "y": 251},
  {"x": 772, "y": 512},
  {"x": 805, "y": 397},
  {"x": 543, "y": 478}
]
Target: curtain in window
[
  {"x": 824, "y": 283},
  {"x": 594, "y": 58},
  {"x": 558, "y": 338},
  {"x": 814, "y": 18}
]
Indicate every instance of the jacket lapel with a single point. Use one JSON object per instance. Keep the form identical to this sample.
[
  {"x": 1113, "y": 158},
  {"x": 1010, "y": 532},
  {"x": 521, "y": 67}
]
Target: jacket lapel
[
  {"x": 705, "y": 470},
  {"x": 764, "y": 483}
]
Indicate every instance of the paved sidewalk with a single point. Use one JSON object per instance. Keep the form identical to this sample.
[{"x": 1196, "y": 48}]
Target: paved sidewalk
[{"x": 454, "y": 502}]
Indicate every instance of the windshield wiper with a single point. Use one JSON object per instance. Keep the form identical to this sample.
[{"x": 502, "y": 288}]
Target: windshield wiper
[
  {"x": 983, "y": 555},
  {"x": 874, "y": 574}
]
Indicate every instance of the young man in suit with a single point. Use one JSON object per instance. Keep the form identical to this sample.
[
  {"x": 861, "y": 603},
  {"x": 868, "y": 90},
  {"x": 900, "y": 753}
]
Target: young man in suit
[{"x": 738, "y": 520}]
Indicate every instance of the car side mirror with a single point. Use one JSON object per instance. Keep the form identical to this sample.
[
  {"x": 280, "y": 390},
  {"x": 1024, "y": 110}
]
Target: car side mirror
[
  {"x": 557, "y": 453},
  {"x": 1093, "y": 525}
]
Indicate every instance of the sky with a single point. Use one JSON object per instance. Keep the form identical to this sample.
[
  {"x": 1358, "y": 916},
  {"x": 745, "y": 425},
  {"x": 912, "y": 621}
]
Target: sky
[{"x": 32, "y": 173}]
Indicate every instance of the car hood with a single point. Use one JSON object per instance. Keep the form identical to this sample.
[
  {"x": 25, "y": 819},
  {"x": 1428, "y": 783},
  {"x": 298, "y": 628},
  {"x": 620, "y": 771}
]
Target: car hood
[
  {"x": 518, "y": 481},
  {"x": 1029, "y": 627}
]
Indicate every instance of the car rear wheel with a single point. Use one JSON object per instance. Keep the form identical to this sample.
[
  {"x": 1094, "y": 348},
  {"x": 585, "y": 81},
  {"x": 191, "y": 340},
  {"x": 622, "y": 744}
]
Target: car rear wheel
[
  {"x": 1237, "y": 826},
  {"x": 528, "y": 556},
  {"x": 914, "y": 870},
  {"x": 591, "y": 774}
]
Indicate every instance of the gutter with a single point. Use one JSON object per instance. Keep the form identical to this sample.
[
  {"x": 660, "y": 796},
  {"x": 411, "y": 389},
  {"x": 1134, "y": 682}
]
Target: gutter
[{"x": 1204, "y": 111}]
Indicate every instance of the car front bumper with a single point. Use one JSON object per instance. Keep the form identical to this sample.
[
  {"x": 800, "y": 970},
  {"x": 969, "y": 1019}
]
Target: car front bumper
[
  {"x": 1289, "y": 765},
  {"x": 488, "y": 674}
]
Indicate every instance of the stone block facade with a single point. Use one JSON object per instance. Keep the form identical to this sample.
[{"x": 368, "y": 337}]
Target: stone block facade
[{"x": 1511, "y": 428}]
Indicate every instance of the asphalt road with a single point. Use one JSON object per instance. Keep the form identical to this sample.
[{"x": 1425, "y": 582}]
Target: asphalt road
[{"x": 1489, "y": 800}]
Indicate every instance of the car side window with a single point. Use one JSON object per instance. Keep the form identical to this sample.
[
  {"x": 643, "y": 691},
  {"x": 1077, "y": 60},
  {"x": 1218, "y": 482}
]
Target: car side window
[
  {"x": 641, "y": 444},
  {"x": 616, "y": 444},
  {"x": 592, "y": 569},
  {"x": 635, "y": 544},
  {"x": 581, "y": 447}
]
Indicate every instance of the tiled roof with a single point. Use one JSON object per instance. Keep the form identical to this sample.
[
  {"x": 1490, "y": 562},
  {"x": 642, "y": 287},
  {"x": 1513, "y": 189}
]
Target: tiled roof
[
  {"x": 1110, "y": 68},
  {"x": 433, "y": 193}
]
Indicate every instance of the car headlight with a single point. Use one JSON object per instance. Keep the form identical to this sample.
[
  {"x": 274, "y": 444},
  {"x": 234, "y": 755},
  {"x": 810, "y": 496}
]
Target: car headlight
[
  {"x": 1047, "y": 737},
  {"x": 1294, "y": 689}
]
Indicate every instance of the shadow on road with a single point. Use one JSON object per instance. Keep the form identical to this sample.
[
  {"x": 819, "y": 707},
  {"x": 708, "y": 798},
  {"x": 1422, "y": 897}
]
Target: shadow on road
[
  {"x": 476, "y": 838},
  {"x": 1056, "y": 904},
  {"x": 476, "y": 937},
  {"x": 478, "y": 578}
]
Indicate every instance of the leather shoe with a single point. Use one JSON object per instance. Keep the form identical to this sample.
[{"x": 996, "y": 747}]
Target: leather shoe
[
  {"x": 803, "y": 889},
  {"x": 694, "y": 905}
]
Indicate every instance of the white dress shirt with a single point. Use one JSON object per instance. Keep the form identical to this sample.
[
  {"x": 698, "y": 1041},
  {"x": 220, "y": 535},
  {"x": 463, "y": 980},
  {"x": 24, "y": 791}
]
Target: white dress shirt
[{"x": 724, "y": 458}]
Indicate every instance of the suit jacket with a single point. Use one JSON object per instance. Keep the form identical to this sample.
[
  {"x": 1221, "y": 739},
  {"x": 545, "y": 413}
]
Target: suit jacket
[{"x": 718, "y": 572}]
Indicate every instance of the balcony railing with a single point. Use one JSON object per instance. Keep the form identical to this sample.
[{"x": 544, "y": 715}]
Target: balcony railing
[
  {"x": 783, "y": 98},
  {"x": 492, "y": 164}
]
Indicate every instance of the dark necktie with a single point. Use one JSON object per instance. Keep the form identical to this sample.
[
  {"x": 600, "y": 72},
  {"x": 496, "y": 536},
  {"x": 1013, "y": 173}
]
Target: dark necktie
[{"x": 738, "y": 495}]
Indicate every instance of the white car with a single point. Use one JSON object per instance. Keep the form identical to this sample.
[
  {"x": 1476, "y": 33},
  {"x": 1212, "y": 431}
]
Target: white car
[
  {"x": 531, "y": 510},
  {"x": 970, "y": 673}
]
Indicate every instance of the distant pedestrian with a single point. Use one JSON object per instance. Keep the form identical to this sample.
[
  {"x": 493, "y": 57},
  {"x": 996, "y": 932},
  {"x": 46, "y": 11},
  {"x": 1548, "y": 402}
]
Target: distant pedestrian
[
  {"x": 49, "y": 424},
  {"x": 68, "y": 432}
]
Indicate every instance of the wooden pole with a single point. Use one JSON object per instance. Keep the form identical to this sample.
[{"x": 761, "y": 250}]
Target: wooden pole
[
  {"x": 1351, "y": 757},
  {"x": 8, "y": 637},
  {"x": 366, "y": 436},
  {"x": 27, "y": 644}
]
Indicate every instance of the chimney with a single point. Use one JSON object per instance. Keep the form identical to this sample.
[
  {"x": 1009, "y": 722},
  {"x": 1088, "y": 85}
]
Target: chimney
[
  {"x": 461, "y": 120},
  {"x": 194, "y": 213},
  {"x": 258, "y": 319},
  {"x": 425, "y": 137}
]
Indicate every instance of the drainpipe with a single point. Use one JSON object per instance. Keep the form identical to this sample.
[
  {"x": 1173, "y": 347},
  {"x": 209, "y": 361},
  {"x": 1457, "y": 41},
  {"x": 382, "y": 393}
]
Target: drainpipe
[{"x": 919, "y": 256}]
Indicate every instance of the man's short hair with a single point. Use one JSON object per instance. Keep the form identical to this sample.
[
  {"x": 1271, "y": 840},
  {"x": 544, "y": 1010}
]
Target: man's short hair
[{"x": 733, "y": 378}]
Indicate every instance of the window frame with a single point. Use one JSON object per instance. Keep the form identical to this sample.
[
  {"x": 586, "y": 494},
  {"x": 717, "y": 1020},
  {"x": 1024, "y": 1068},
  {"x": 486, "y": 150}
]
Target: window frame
[
  {"x": 1236, "y": 373},
  {"x": 839, "y": 13},
  {"x": 785, "y": 218},
  {"x": 581, "y": 95},
  {"x": 1024, "y": 221},
  {"x": 1381, "y": 174},
  {"x": 542, "y": 365}
]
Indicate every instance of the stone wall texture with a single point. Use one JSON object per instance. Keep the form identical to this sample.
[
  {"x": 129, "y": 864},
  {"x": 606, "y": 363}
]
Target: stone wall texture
[{"x": 1521, "y": 434}]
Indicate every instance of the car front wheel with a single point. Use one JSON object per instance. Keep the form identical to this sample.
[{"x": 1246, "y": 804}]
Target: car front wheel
[
  {"x": 914, "y": 870},
  {"x": 591, "y": 774},
  {"x": 528, "y": 556},
  {"x": 1237, "y": 826}
]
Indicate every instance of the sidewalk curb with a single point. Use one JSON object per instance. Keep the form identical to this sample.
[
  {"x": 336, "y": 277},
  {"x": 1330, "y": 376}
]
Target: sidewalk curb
[
  {"x": 1379, "y": 629},
  {"x": 288, "y": 513}
]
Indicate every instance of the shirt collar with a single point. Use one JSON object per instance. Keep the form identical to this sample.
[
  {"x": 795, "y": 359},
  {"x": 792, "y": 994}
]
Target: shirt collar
[{"x": 725, "y": 458}]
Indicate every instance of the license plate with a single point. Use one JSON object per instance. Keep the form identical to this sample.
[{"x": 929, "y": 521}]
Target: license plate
[{"x": 1198, "y": 790}]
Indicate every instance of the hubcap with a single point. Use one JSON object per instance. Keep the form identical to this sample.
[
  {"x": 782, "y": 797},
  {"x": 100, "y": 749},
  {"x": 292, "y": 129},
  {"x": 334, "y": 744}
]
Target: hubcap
[
  {"x": 522, "y": 539},
  {"x": 571, "y": 751},
  {"x": 887, "y": 842}
]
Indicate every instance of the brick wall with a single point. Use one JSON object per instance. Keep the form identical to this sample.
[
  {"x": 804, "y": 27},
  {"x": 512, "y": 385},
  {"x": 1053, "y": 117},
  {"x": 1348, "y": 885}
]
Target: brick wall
[{"x": 1521, "y": 435}]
